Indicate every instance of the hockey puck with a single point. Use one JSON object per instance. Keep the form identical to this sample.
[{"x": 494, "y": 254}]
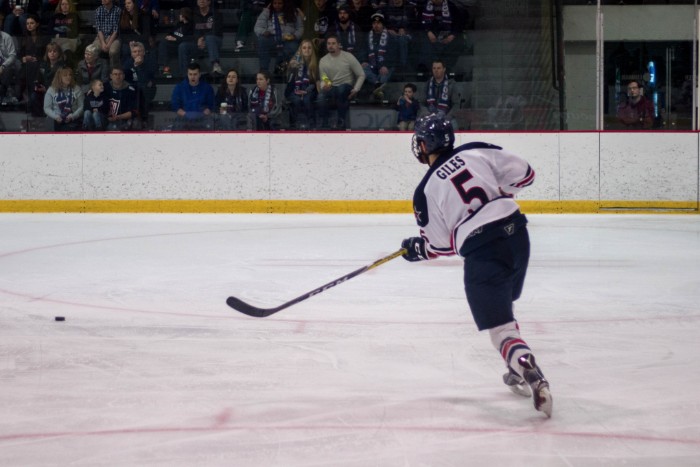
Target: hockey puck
[{"x": 59, "y": 318}]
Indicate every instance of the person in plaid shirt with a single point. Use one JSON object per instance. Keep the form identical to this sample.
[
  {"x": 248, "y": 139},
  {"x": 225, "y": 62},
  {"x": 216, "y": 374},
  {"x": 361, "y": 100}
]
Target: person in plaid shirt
[{"x": 107, "y": 25}]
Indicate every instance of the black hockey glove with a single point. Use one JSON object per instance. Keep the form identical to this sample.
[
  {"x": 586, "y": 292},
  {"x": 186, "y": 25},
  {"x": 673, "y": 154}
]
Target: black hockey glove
[{"x": 415, "y": 247}]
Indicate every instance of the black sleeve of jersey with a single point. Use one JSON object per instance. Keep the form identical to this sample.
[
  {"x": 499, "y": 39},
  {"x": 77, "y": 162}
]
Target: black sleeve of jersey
[{"x": 476, "y": 145}]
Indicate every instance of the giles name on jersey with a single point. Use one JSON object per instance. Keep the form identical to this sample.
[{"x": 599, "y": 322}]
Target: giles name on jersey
[{"x": 451, "y": 166}]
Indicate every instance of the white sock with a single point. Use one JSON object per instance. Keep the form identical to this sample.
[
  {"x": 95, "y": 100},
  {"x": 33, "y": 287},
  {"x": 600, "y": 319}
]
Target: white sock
[{"x": 506, "y": 339}]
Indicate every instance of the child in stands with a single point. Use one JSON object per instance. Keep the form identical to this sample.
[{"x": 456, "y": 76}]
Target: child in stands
[
  {"x": 407, "y": 108},
  {"x": 96, "y": 107}
]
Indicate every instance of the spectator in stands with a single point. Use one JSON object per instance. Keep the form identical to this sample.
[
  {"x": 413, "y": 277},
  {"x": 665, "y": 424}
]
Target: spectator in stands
[
  {"x": 442, "y": 33},
  {"x": 378, "y": 5},
  {"x": 91, "y": 67},
  {"x": 96, "y": 107},
  {"x": 63, "y": 102},
  {"x": 407, "y": 108},
  {"x": 9, "y": 68},
  {"x": 16, "y": 12},
  {"x": 637, "y": 112},
  {"x": 440, "y": 93},
  {"x": 122, "y": 101},
  {"x": 64, "y": 27},
  {"x": 134, "y": 26},
  {"x": 264, "y": 105},
  {"x": 192, "y": 101},
  {"x": 9, "y": 21},
  {"x": 379, "y": 55},
  {"x": 208, "y": 34},
  {"x": 361, "y": 14},
  {"x": 278, "y": 28},
  {"x": 321, "y": 15},
  {"x": 250, "y": 10},
  {"x": 107, "y": 18},
  {"x": 232, "y": 102},
  {"x": 52, "y": 61},
  {"x": 400, "y": 18},
  {"x": 5, "y": 9},
  {"x": 342, "y": 77},
  {"x": 180, "y": 39},
  {"x": 351, "y": 37},
  {"x": 151, "y": 10},
  {"x": 31, "y": 51},
  {"x": 301, "y": 91},
  {"x": 139, "y": 72}
]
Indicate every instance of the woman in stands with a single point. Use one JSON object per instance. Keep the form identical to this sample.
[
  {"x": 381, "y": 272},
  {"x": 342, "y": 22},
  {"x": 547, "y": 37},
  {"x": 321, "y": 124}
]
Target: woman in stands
[
  {"x": 301, "y": 89},
  {"x": 134, "y": 26},
  {"x": 65, "y": 27},
  {"x": 32, "y": 49},
  {"x": 232, "y": 101},
  {"x": 52, "y": 61},
  {"x": 265, "y": 106},
  {"x": 63, "y": 102},
  {"x": 91, "y": 67}
]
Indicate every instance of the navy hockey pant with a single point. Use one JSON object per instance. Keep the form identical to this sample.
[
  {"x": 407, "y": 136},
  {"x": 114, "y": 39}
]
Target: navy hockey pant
[{"x": 494, "y": 275}]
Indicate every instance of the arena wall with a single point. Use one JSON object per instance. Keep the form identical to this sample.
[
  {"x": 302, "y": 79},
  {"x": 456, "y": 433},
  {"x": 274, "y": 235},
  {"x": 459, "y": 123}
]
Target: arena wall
[{"x": 330, "y": 172}]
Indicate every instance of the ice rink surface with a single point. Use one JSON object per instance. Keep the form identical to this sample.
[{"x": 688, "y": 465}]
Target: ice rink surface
[{"x": 150, "y": 367}]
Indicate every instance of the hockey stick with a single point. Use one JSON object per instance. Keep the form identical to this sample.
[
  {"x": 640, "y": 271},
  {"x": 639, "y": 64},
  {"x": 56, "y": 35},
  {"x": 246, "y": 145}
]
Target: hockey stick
[{"x": 256, "y": 312}]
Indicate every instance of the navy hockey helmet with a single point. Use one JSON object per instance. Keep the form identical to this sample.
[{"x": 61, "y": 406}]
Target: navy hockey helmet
[{"x": 436, "y": 132}]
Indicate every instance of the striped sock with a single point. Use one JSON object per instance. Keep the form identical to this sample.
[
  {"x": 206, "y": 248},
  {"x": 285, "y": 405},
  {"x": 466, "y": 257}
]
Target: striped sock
[
  {"x": 511, "y": 350},
  {"x": 506, "y": 339}
]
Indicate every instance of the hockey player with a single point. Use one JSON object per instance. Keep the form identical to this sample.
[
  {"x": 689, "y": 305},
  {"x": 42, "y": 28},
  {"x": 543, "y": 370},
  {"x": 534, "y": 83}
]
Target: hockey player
[{"x": 464, "y": 205}]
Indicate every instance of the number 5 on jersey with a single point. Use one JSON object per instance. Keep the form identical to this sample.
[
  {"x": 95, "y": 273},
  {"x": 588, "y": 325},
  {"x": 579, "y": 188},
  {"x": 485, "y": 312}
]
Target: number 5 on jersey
[{"x": 467, "y": 193}]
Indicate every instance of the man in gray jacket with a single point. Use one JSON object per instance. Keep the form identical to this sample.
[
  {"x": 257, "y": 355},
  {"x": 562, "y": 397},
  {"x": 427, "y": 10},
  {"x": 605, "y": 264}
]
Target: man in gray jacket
[{"x": 9, "y": 70}]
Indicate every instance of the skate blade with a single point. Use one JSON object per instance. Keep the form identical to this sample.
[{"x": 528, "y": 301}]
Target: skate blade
[{"x": 544, "y": 401}]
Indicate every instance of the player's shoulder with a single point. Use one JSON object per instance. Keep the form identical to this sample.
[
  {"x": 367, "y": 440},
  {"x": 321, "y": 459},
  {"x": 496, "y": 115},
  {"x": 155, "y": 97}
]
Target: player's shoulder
[{"x": 477, "y": 145}]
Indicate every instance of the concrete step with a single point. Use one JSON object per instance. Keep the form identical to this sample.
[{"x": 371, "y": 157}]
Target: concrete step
[
  {"x": 481, "y": 100},
  {"x": 491, "y": 73},
  {"x": 504, "y": 36},
  {"x": 526, "y": 118},
  {"x": 512, "y": 47},
  {"x": 495, "y": 22}
]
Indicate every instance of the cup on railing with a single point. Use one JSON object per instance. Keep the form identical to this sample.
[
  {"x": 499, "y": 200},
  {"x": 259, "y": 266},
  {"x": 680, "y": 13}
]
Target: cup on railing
[{"x": 223, "y": 108}]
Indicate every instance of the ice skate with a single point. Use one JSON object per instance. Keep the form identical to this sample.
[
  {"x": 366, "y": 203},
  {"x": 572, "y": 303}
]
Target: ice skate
[
  {"x": 516, "y": 384},
  {"x": 541, "y": 396}
]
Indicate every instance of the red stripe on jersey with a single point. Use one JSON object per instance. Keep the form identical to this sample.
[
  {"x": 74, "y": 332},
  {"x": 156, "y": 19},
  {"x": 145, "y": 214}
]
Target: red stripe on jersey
[
  {"x": 529, "y": 177},
  {"x": 435, "y": 252}
]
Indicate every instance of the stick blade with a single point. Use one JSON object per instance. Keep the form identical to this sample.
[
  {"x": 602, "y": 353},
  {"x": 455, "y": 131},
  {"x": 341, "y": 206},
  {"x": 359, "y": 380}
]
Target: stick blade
[{"x": 250, "y": 310}]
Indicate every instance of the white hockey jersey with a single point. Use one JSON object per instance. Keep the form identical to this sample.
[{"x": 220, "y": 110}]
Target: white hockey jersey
[{"x": 464, "y": 190}]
